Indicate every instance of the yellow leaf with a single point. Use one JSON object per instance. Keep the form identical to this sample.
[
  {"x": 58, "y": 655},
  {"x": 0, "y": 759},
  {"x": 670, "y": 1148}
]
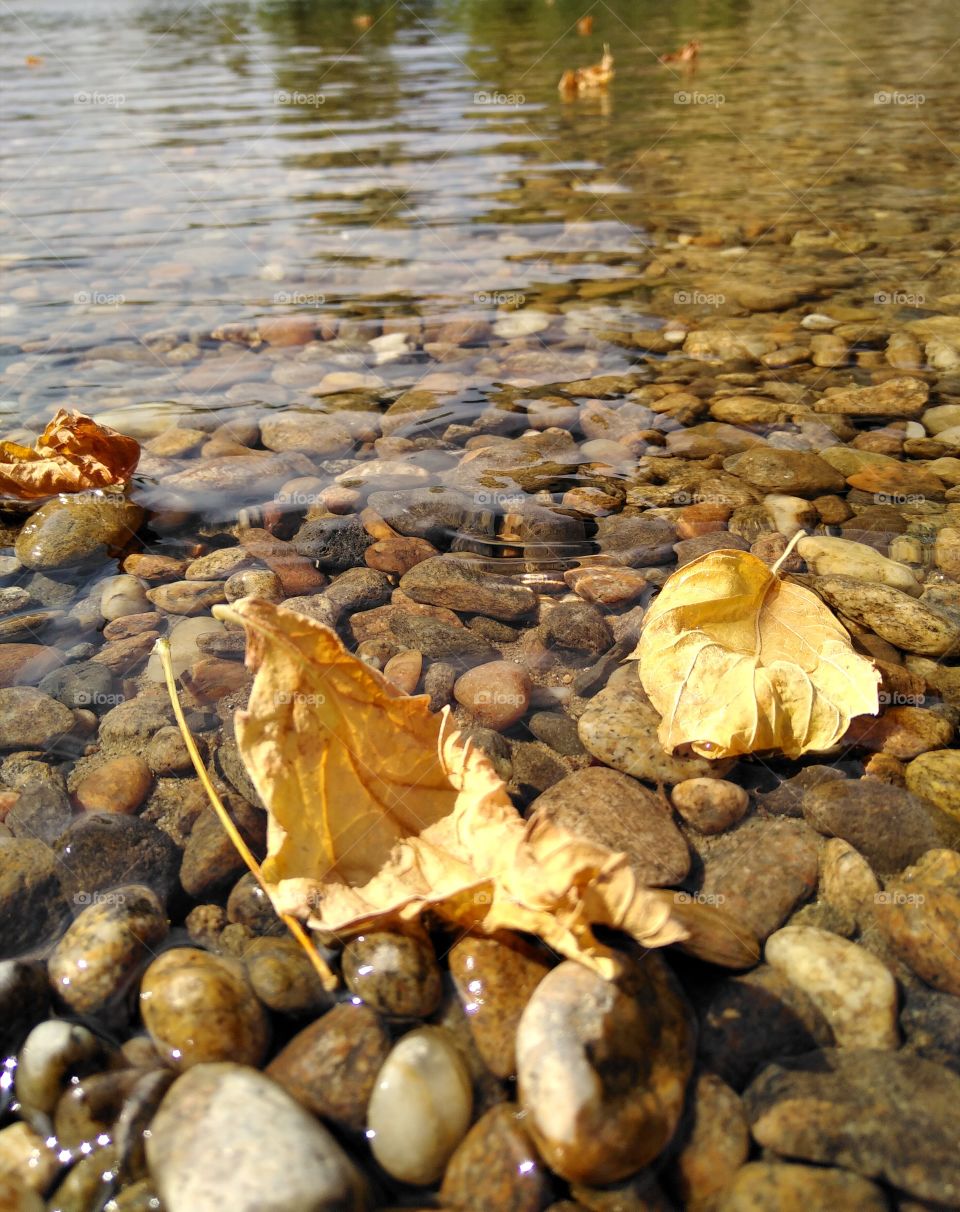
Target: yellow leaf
[
  {"x": 72, "y": 454},
  {"x": 736, "y": 661},
  {"x": 378, "y": 809}
]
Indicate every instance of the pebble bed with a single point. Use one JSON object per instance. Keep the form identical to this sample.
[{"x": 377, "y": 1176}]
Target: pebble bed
[{"x": 170, "y": 1046}]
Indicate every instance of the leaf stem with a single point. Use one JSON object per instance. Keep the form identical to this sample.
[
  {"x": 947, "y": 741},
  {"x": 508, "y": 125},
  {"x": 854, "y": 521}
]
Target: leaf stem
[
  {"x": 800, "y": 534},
  {"x": 327, "y": 977}
]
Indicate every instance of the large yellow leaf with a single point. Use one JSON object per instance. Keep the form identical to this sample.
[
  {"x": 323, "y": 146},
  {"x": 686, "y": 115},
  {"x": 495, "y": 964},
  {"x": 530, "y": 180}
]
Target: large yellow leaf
[
  {"x": 378, "y": 809},
  {"x": 736, "y": 661},
  {"x": 72, "y": 454}
]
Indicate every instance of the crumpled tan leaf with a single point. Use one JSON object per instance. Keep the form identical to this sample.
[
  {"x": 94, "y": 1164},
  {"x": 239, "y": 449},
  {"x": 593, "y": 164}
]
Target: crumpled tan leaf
[
  {"x": 72, "y": 454},
  {"x": 736, "y": 661},
  {"x": 378, "y": 809}
]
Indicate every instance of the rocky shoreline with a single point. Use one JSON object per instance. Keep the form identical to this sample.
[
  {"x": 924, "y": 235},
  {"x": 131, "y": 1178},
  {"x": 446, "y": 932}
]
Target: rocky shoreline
[{"x": 802, "y": 1049}]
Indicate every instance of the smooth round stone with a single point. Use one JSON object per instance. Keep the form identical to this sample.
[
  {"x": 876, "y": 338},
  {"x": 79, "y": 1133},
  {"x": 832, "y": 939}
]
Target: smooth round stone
[
  {"x": 309, "y": 433},
  {"x": 577, "y": 626},
  {"x": 87, "y": 684},
  {"x": 219, "y": 564},
  {"x": 226, "y": 1136},
  {"x": 497, "y": 694},
  {"x": 55, "y": 1052},
  {"x": 789, "y": 1187},
  {"x": 32, "y": 909},
  {"x": 852, "y": 988},
  {"x": 30, "y": 719},
  {"x": 496, "y": 1165},
  {"x": 395, "y": 973},
  {"x": 461, "y": 585},
  {"x": 283, "y": 977},
  {"x": 254, "y": 583},
  {"x": 404, "y": 669},
  {"x": 122, "y": 595},
  {"x": 602, "y": 1068},
  {"x": 183, "y": 645},
  {"x": 331, "y": 1067},
  {"x": 936, "y": 777},
  {"x": 167, "y": 754},
  {"x": 25, "y": 664},
  {"x": 199, "y": 1007},
  {"x": 494, "y": 979},
  {"x": 620, "y": 729},
  {"x": 249, "y": 905},
  {"x": 618, "y": 812},
  {"x": 521, "y": 323},
  {"x": 187, "y": 597},
  {"x": 121, "y": 784},
  {"x": 420, "y": 1107},
  {"x": 919, "y": 915},
  {"x": 709, "y": 805},
  {"x": 94, "y": 962},
  {"x": 72, "y": 530}
]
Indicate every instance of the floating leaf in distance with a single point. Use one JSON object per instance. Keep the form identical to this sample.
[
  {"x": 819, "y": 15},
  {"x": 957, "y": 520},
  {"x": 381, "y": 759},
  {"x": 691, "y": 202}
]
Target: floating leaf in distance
[
  {"x": 72, "y": 454},
  {"x": 736, "y": 661},
  {"x": 378, "y": 809}
]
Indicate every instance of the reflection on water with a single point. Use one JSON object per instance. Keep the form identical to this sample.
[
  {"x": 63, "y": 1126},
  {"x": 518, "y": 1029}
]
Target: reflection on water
[{"x": 174, "y": 168}]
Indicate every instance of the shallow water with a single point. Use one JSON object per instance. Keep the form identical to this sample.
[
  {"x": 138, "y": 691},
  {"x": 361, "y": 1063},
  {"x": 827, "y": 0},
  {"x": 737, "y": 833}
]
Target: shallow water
[{"x": 174, "y": 168}]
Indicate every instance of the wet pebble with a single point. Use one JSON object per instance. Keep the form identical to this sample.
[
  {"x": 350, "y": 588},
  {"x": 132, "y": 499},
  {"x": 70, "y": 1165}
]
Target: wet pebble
[
  {"x": 100, "y": 847},
  {"x": 619, "y": 727},
  {"x": 936, "y": 777},
  {"x": 710, "y": 805},
  {"x": 98, "y": 956},
  {"x": 27, "y": 664},
  {"x": 199, "y": 1008},
  {"x": 616, "y": 811},
  {"x": 494, "y": 979},
  {"x": 460, "y": 585},
  {"x": 918, "y": 914},
  {"x": 395, "y": 973},
  {"x": 73, "y": 530},
  {"x": 283, "y": 977},
  {"x": 167, "y": 753},
  {"x": 254, "y": 583},
  {"x": 895, "y": 616},
  {"x": 883, "y": 1115},
  {"x": 32, "y": 908},
  {"x": 777, "y": 1186},
  {"x": 901, "y": 732},
  {"x": 187, "y": 597},
  {"x": 334, "y": 544},
  {"x": 496, "y": 1165},
  {"x": 420, "y": 1107},
  {"x": 331, "y": 1066},
  {"x": 30, "y": 719},
  {"x": 54, "y": 1054},
  {"x": 121, "y": 596},
  {"x": 760, "y": 872},
  {"x": 497, "y": 694},
  {"x": 578, "y": 626},
  {"x": 121, "y": 785},
  {"x": 603, "y": 1068},
  {"x": 226, "y": 1135},
  {"x": 852, "y": 988},
  {"x": 890, "y": 827}
]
